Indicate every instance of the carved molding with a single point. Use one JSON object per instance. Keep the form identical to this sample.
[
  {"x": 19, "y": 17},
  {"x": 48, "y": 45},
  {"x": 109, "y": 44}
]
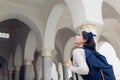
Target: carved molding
[{"x": 47, "y": 52}]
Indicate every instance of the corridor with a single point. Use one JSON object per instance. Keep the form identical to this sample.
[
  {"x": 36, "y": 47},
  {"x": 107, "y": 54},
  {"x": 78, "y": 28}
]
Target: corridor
[{"x": 36, "y": 37}]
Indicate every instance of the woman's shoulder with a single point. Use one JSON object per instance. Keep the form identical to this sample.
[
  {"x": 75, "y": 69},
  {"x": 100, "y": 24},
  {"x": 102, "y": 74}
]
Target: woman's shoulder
[
  {"x": 79, "y": 52},
  {"x": 76, "y": 50}
]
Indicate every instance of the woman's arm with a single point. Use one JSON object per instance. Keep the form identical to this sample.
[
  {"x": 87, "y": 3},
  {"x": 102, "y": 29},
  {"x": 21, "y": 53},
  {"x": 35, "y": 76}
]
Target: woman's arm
[{"x": 79, "y": 59}]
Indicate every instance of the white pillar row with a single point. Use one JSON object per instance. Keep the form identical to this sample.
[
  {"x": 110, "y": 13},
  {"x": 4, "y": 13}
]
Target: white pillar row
[{"x": 85, "y": 11}]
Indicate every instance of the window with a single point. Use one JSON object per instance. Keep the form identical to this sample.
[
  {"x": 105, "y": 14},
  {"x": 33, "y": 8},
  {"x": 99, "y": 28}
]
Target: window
[{"x": 4, "y": 35}]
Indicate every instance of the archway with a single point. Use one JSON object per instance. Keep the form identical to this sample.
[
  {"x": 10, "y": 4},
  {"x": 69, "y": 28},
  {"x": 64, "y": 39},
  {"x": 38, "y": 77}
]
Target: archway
[
  {"x": 18, "y": 32},
  {"x": 108, "y": 51}
]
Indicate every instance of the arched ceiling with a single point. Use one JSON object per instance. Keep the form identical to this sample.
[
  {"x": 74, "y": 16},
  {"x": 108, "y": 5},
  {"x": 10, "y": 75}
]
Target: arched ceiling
[
  {"x": 65, "y": 19},
  {"x": 110, "y": 33},
  {"x": 43, "y": 7},
  {"x": 44, "y": 4},
  {"x": 18, "y": 31},
  {"x": 38, "y": 4},
  {"x": 63, "y": 36},
  {"x": 109, "y": 12}
]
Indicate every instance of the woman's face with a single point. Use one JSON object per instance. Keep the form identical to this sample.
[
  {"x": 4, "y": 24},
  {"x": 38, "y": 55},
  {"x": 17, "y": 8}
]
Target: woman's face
[{"x": 78, "y": 39}]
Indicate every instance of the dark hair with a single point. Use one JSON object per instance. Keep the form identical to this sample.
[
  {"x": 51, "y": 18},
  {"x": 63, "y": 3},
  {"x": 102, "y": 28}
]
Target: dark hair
[{"x": 90, "y": 43}]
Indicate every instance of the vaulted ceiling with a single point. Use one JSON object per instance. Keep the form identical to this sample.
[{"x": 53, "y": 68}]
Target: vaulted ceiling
[{"x": 39, "y": 4}]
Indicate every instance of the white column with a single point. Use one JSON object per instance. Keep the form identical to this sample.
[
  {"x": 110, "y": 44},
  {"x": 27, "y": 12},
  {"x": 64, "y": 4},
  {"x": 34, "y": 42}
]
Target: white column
[
  {"x": 17, "y": 71},
  {"x": 10, "y": 71},
  {"x": 47, "y": 63},
  {"x": 65, "y": 71},
  {"x": 29, "y": 71}
]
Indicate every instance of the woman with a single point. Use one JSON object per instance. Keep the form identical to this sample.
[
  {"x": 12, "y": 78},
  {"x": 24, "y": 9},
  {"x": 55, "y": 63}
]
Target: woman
[{"x": 79, "y": 65}]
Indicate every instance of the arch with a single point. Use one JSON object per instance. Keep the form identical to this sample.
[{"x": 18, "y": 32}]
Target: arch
[
  {"x": 30, "y": 47},
  {"x": 28, "y": 21},
  {"x": 18, "y": 56},
  {"x": 107, "y": 8},
  {"x": 57, "y": 52},
  {"x": 68, "y": 48},
  {"x": 50, "y": 30},
  {"x": 111, "y": 57},
  {"x": 82, "y": 14},
  {"x": 106, "y": 54},
  {"x": 108, "y": 30},
  {"x": 114, "y": 42},
  {"x": 102, "y": 39},
  {"x": 62, "y": 37},
  {"x": 114, "y": 3}
]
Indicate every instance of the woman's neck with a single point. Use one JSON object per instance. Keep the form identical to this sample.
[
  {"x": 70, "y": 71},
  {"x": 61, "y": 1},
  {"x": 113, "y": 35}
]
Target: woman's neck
[{"x": 79, "y": 45}]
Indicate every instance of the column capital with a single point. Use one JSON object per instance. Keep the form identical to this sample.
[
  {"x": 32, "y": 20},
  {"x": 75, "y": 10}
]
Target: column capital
[
  {"x": 10, "y": 69},
  {"x": 88, "y": 28},
  {"x": 64, "y": 63},
  {"x": 27, "y": 62},
  {"x": 17, "y": 68},
  {"x": 47, "y": 52}
]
